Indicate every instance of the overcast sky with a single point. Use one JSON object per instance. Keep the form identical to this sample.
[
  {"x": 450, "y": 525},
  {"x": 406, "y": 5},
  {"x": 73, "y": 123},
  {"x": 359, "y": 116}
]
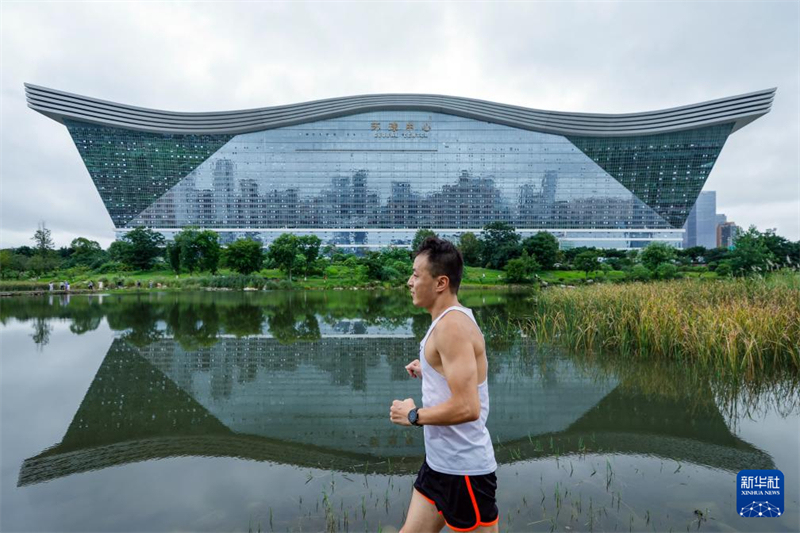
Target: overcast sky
[{"x": 597, "y": 57}]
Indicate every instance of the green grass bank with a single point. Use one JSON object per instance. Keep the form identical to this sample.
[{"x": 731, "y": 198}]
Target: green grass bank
[{"x": 339, "y": 277}]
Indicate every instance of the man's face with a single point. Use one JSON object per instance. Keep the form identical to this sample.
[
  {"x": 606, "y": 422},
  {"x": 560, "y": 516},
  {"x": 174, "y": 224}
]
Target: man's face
[{"x": 423, "y": 286}]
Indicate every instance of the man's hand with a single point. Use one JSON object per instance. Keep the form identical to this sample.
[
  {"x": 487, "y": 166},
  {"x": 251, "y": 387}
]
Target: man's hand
[
  {"x": 414, "y": 369},
  {"x": 399, "y": 411}
]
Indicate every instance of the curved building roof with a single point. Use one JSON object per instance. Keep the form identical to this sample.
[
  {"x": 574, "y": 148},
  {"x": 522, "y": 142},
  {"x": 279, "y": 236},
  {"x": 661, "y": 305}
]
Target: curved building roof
[{"x": 739, "y": 110}]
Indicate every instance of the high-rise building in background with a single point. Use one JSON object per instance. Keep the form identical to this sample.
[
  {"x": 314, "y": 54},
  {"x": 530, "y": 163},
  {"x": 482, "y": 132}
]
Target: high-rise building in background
[
  {"x": 690, "y": 230},
  {"x": 706, "y": 209},
  {"x": 726, "y": 234},
  {"x": 701, "y": 224},
  {"x": 368, "y": 171}
]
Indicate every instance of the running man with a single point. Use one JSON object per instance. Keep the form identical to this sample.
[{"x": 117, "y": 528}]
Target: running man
[{"x": 456, "y": 485}]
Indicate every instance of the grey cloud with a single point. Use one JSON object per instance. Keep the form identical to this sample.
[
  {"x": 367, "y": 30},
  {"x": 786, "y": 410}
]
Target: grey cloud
[{"x": 592, "y": 57}]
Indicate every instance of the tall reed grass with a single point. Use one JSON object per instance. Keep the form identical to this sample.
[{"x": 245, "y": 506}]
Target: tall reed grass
[{"x": 740, "y": 327}]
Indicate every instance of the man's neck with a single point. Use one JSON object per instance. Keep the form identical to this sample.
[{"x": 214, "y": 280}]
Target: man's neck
[{"x": 441, "y": 304}]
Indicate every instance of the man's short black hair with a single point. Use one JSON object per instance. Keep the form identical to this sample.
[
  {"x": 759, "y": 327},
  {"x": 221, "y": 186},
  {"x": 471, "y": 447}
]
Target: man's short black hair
[{"x": 444, "y": 260}]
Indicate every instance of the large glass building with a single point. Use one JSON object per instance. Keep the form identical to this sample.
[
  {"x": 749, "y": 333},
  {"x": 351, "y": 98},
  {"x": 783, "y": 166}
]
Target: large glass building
[{"x": 368, "y": 171}]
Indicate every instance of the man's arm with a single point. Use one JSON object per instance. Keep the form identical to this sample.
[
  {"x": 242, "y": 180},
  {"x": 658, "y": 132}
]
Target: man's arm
[{"x": 451, "y": 339}]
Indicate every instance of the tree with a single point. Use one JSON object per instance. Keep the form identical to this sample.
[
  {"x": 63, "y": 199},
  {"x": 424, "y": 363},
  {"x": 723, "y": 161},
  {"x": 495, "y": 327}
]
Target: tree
[
  {"x": 244, "y": 319},
  {"x": 784, "y": 251},
  {"x": 750, "y": 254},
  {"x": 335, "y": 254},
  {"x": 470, "y": 247},
  {"x": 144, "y": 248},
  {"x": 420, "y": 236},
  {"x": 85, "y": 252},
  {"x": 27, "y": 251},
  {"x": 244, "y": 256},
  {"x": 209, "y": 250},
  {"x": 300, "y": 263},
  {"x": 586, "y": 262},
  {"x": 656, "y": 253},
  {"x": 606, "y": 269},
  {"x": 571, "y": 253},
  {"x": 43, "y": 259},
  {"x": 6, "y": 263},
  {"x": 83, "y": 246},
  {"x": 543, "y": 247},
  {"x": 43, "y": 241},
  {"x": 188, "y": 256},
  {"x": 500, "y": 244},
  {"x": 715, "y": 256},
  {"x": 387, "y": 265},
  {"x": 308, "y": 246},
  {"x": 64, "y": 252},
  {"x": 12, "y": 264},
  {"x": 283, "y": 251},
  {"x": 173, "y": 256},
  {"x": 119, "y": 250},
  {"x": 194, "y": 250},
  {"x": 695, "y": 253},
  {"x": 373, "y": 262}
]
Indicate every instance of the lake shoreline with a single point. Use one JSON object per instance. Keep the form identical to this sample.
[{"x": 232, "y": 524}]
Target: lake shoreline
[{"x": 147, "y": 290}]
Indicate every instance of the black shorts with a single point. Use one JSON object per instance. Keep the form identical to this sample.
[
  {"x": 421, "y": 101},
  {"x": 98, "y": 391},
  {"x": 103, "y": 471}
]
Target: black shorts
[{"x": 465, "y": 502}]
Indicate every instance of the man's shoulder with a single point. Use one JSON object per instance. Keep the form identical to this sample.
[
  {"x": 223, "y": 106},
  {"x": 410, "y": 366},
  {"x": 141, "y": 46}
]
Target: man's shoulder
[{"x": 455, "y": 323}]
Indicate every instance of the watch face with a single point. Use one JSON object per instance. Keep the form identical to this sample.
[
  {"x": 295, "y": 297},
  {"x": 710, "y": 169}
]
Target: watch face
[{"x": 412, "y": 416}]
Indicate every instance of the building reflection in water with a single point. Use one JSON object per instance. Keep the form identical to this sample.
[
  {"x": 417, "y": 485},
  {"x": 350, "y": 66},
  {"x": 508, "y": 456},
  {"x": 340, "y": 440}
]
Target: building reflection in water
[{"x": 321, "y": 398}]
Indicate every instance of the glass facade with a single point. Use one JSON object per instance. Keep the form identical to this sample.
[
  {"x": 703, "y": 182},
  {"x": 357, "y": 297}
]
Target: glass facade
[{"x": 371, "y": 180}]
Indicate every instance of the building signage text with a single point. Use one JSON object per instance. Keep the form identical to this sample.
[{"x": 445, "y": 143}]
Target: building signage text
[{"x": 396, "y": 130}]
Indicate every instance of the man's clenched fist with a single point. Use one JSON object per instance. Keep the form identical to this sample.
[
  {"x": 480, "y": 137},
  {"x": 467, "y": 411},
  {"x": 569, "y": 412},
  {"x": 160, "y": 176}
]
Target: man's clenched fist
[
  {"x": 414, "y": 369},
  {"x": 399, "y": 411}
]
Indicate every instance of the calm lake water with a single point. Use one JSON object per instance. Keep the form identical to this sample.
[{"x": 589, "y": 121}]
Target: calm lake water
[{"x": 235, "y": 411}]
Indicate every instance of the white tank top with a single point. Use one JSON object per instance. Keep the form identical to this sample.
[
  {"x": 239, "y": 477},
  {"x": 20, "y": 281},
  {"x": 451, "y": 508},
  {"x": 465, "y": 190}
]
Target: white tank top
[{"x": 461, "y": 449}]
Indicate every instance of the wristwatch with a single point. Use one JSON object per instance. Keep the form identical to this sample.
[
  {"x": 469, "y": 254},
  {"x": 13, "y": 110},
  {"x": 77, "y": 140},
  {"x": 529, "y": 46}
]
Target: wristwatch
[{"x": 413, "y": 417}]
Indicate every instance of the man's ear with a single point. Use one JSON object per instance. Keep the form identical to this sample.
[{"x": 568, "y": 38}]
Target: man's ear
[{"x": 442, "y": 283}]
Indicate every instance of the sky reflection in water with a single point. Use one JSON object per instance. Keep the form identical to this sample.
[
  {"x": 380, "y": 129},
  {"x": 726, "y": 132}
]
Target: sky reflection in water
[{"x": 228, "y": 411}]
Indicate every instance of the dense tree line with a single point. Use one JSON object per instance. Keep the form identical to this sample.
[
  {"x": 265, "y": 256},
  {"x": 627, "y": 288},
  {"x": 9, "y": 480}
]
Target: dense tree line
[{"x": 498, "y": 246}]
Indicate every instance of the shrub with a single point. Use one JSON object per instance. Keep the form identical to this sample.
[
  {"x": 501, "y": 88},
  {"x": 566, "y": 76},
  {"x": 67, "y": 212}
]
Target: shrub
[
  {"x": 333, "y": 271},
  {"x": 724, "y": 269},
  {"x": 403, "y": 267},
  {"x": 639, "y": 273},
  {"x": 666, "y": 271},
  {"x": 390, "y": 274},
  {"x": 657, "y": 253},
  {"x": 521, "y": 269},
  {"x": 700, "y": 269}
]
